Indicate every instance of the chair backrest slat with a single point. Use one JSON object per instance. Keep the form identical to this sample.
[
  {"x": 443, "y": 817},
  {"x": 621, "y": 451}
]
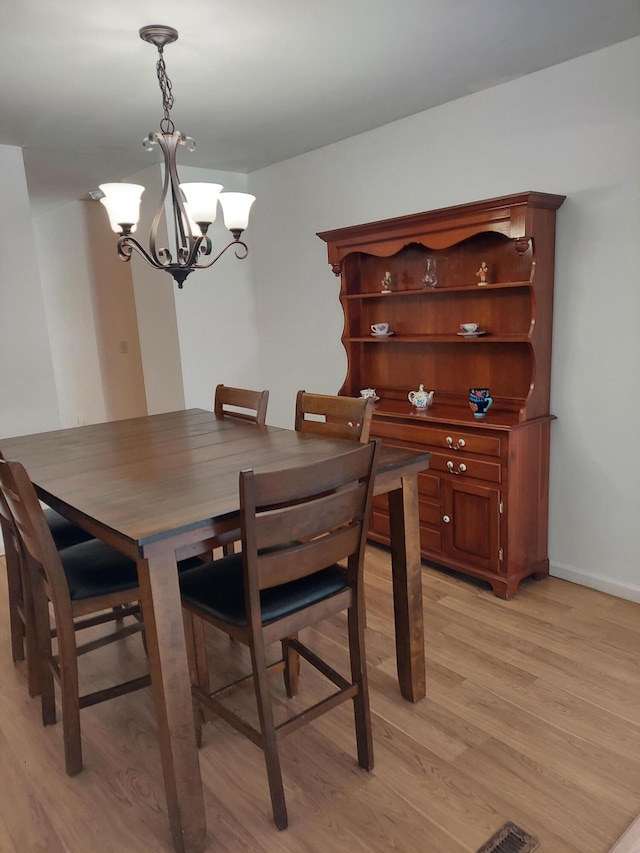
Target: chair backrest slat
[
  {"x": 342, "y": 417},
  {"x": 305, "y": 558},
  {"x": 297, "y": 521},
  {"x": 306, "y": 520},
  {"x": 230, "y": 402}
]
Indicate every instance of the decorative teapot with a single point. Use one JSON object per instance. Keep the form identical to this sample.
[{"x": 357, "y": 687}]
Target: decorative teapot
[{"x": 421, "y": 399}]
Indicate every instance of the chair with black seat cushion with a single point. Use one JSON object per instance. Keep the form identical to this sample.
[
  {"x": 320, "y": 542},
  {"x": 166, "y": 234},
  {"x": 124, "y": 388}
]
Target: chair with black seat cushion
[
  {"x": 64, "y": 535},
  {"x": 333, "y": 416},
  {"x": 296, "y": 525},
  {"x": 83, "y": 583},
  {"x": 246, "y": 405},
  {"x": 241, "y": 403}
]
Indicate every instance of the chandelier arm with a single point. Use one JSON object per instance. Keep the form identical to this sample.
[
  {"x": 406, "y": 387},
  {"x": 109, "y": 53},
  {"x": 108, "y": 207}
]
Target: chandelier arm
[
  {"x": 126, "y": 245},
  {"x": 201, "y": 245},
  {"x": 241, "y": 256}
]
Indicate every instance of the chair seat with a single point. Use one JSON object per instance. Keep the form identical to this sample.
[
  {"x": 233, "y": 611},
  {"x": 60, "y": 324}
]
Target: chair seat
[
  {"x": 218, "y": 590},
  {"x": 65, "y": 534},
  {"x": 93, "y": 568}
]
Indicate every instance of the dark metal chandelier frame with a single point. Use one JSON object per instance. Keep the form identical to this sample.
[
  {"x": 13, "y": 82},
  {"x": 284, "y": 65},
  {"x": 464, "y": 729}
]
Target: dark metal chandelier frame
[{"x": 193, "y": 250}]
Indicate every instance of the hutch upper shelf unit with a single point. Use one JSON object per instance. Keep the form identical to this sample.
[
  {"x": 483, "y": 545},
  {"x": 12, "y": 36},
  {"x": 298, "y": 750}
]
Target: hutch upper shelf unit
[{"x": 484, "y": 500}]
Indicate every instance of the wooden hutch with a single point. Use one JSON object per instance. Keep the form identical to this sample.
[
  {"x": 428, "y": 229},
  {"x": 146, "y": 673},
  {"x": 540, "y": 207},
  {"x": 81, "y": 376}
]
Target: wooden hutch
[{"x": 484, "y": 500}]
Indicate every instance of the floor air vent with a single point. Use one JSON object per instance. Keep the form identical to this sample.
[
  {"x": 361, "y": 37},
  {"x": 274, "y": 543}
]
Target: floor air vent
[{"x": 510, "y": 839}]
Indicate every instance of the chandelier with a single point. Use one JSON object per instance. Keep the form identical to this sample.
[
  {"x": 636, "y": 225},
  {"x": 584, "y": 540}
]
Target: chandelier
[{"x": 192, "y": 207}]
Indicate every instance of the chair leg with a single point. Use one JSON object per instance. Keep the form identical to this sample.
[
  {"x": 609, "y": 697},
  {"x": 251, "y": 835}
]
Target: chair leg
[
  {"x": 70, "y": 694},
  {"x": 268, "y": 732},
  {"x": 14, "y": 584},
  {"x": 31, "y": 640},
  {"x": 43, "y": 655},
  {"x": 192, "y": 640},
  {"x": 361, "y": 710},
  {"x": 291, "y": 667},
  {"x": 23, "y": 630}
]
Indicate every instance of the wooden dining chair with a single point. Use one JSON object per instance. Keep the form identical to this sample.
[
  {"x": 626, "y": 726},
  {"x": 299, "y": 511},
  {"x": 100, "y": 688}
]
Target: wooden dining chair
[
  {"x": 246, "y": 405},
  {"x": 296, "y": 525},
  {"x": 241, "y": 403},
  {"x": 83, "y": 584},
  {"x": 64, "y": 535},
  {"x": 334, "y": 417}
]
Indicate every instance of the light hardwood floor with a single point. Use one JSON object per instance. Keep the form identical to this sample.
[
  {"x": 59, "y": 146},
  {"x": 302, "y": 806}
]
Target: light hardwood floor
[{"x": 532, "y": 715}]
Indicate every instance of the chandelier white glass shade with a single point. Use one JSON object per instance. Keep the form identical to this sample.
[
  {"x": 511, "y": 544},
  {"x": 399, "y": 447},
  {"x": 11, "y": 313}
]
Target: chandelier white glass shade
[{"x": 191, "y": 207}]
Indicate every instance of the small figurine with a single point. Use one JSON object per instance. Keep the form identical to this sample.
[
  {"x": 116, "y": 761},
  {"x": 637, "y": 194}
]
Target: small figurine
[
  {"x": 482, "y": 273},
  {"x": 386, "y": 282}
]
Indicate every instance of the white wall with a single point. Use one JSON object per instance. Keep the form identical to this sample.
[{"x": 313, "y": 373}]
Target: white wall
[
  {"x": 216, "y": 312},
  {"x": 28, "y": 401},
  {"x": 573, "y": 129},
  {"x": 61, "y": 246},
  {"x": 115, "y": 320},
  {"x": 88, "y": 297}
]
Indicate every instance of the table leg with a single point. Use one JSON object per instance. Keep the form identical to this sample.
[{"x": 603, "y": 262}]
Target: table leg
[
  {"x": 166, "y": 649},
  {"x": 407, "y": 588}
]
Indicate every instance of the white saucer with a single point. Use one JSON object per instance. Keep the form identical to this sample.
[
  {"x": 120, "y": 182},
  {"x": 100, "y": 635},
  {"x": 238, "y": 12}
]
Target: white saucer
[
  {"x": 471, "y": 334},
  {"x": 386, "y": 335},
  {"x": 375, "y": 399}
]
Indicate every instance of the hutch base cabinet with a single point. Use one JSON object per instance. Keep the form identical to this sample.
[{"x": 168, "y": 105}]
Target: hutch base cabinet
[{"x": 484, "y": 499}]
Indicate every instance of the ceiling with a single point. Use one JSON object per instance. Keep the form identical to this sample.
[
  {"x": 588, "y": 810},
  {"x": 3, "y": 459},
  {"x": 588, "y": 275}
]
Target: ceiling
[{"x": 259, "y": 81}]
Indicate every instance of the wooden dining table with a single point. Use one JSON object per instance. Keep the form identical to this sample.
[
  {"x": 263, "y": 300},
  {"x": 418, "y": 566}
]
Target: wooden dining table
[{"x": 160, "y": 488}]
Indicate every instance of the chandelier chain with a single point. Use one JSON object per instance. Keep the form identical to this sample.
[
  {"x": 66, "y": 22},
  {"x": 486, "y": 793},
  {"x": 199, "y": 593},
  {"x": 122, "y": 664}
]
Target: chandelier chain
[{"x": 166, "y": 125}]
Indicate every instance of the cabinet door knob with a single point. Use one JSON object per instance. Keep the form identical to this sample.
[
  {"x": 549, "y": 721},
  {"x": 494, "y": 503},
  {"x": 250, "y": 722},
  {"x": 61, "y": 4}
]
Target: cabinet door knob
[{"x": 446, "y": 519}]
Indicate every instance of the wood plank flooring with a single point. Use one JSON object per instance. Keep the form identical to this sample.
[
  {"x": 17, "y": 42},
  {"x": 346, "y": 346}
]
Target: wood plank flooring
[{"x": 532, "y": 715}]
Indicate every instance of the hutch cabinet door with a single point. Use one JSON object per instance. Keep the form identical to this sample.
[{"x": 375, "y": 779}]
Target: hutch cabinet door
[{"x": 471, "y": 524}]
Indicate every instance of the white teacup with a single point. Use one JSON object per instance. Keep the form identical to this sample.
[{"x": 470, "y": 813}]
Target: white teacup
[
  {"x": 380, "y": 328},
  {"x": 469, "y": 328},
  {"x": 368, "y": 392}
]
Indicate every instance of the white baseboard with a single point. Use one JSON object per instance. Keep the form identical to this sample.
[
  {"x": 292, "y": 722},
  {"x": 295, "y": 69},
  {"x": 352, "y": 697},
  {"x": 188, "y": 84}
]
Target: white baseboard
[{"x": 602, "y": 584}]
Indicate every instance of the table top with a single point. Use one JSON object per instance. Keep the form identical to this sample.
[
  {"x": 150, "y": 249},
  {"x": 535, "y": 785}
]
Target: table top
[{"x": 163, "y": 474}]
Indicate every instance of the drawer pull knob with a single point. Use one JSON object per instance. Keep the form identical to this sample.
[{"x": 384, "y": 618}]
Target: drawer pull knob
[
  {"x": 460, "y": 443},
  {"x": 461, "y": 467},
  {"x": 446, "y": 519}
]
